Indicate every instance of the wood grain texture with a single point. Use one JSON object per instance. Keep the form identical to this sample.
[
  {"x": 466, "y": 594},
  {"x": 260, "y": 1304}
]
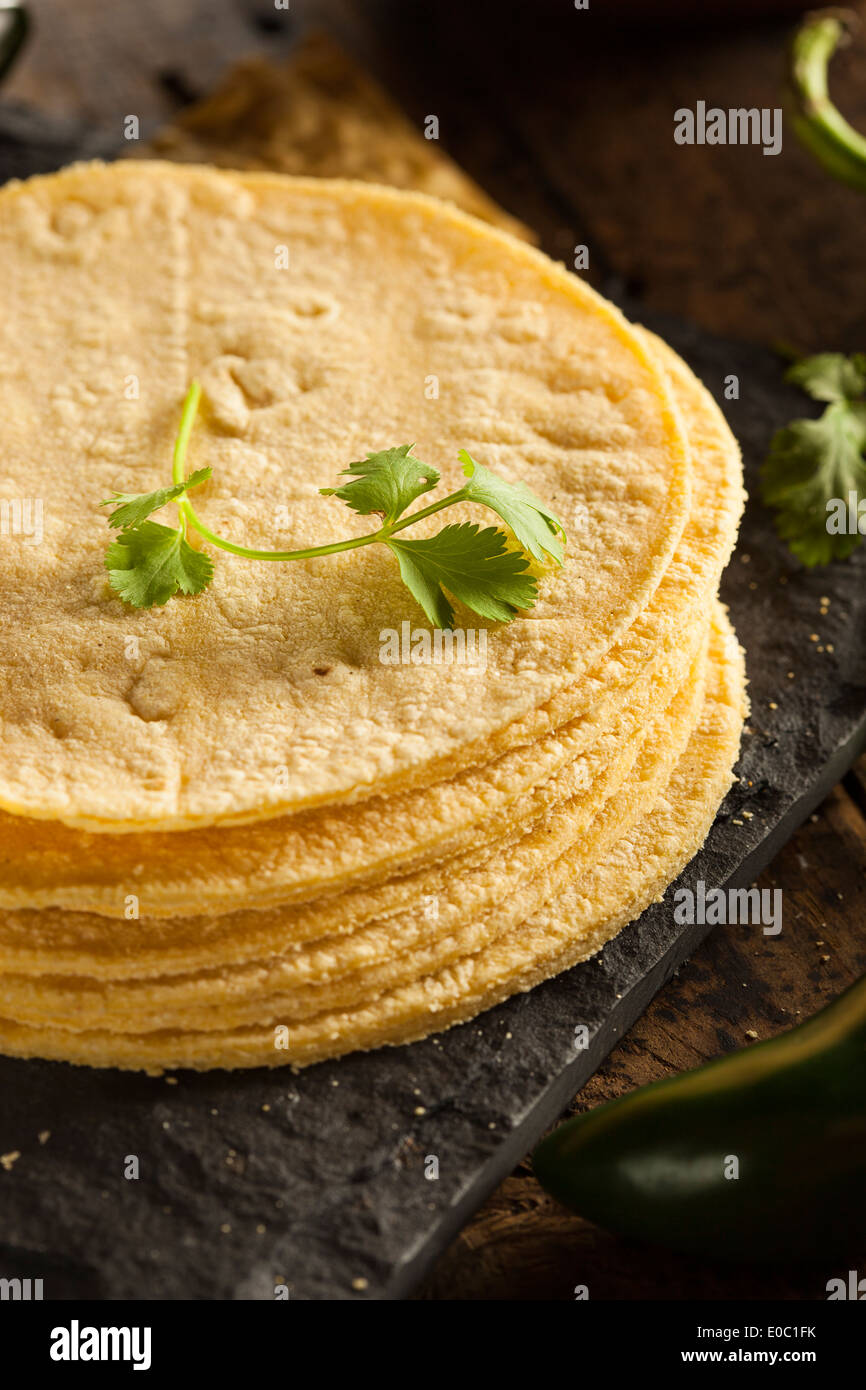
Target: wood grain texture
[{"x": 568, "y": 124}]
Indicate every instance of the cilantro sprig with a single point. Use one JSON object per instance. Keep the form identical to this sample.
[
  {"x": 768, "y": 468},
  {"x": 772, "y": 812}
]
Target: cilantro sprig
[
  {"x": 487, "y": 569},
  {"x": 816, "y": 464}
]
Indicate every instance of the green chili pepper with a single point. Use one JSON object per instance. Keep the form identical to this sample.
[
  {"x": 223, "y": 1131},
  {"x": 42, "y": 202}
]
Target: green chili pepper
[
  {"x": 14, "y": 27},
  {"x": 760, "y": 1155},
  {"x": 817, "y": 122}
]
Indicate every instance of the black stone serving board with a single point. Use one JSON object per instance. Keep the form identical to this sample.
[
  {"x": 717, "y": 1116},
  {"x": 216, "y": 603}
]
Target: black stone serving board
[{"x": 317, "y": 1180}]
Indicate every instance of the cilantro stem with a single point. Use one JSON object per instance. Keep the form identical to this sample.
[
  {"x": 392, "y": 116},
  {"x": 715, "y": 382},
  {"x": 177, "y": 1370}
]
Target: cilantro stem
[
  {"x": 187, "y": 420},
  {"x": 424, "y": 511},
  {"x": 150, "y": 562},
  {"x": 249, "y": 553},
  {"x": 188, "y": 513},
  {"x": 819, "y": 125}
]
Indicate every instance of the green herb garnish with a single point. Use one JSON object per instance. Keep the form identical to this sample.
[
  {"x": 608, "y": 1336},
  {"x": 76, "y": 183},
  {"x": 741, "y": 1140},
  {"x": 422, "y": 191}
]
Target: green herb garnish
[
  {"x": 148, "y": 563},
  {"x": 815, "y": 466}
]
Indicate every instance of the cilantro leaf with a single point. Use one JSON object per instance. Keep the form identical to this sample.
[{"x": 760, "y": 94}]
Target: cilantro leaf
[
  {"x": 132, "y": 508},
  {"x": 385, "y": 483},
  {"x": 830, "y": 376},
  {"x": 474, "y": 565},
  {"x": 535, "y": 527},
  {"x": 812, "y": 462},
  {"x": 147, "y": 564}
]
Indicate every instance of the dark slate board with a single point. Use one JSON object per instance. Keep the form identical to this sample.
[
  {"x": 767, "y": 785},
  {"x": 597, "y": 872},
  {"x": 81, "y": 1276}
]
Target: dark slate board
[{"x": 330, "y": 1163}]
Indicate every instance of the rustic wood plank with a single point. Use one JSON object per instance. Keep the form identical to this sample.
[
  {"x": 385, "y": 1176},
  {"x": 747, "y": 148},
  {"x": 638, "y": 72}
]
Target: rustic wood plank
[
  {"x": 856, "y": 783},
  {"x": 749, "y": 245},
  {"x": 522, "y": 1245}
]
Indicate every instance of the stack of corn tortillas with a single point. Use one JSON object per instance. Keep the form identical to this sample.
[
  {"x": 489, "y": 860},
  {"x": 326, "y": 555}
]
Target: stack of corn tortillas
[{"x": 231, "y": 834}]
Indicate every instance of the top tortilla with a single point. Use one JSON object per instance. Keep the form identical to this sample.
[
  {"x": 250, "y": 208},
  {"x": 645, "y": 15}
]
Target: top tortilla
[
  {"x": 329, "y": 849},
  {"x": 212, "y": 709}
]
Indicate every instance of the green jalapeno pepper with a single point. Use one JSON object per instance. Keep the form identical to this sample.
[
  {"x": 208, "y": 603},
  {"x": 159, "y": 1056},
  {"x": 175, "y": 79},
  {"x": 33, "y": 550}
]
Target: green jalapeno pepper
[{"x": 760, "y": 1155}]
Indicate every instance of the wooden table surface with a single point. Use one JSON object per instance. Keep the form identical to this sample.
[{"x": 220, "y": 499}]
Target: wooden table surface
[{"x": 565, "y": 117}]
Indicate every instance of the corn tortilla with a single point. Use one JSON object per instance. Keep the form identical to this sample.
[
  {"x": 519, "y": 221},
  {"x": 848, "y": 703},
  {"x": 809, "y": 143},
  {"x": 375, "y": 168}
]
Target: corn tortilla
[
  {"x": 298, "y": 857},
  {"x": 150, "y": 273},
  {"x": 92, "y": 946},
  {"x": 338, "y": 972},
  {"x": 329, "y": 849},
  {"x": 585, "y": 913}
]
